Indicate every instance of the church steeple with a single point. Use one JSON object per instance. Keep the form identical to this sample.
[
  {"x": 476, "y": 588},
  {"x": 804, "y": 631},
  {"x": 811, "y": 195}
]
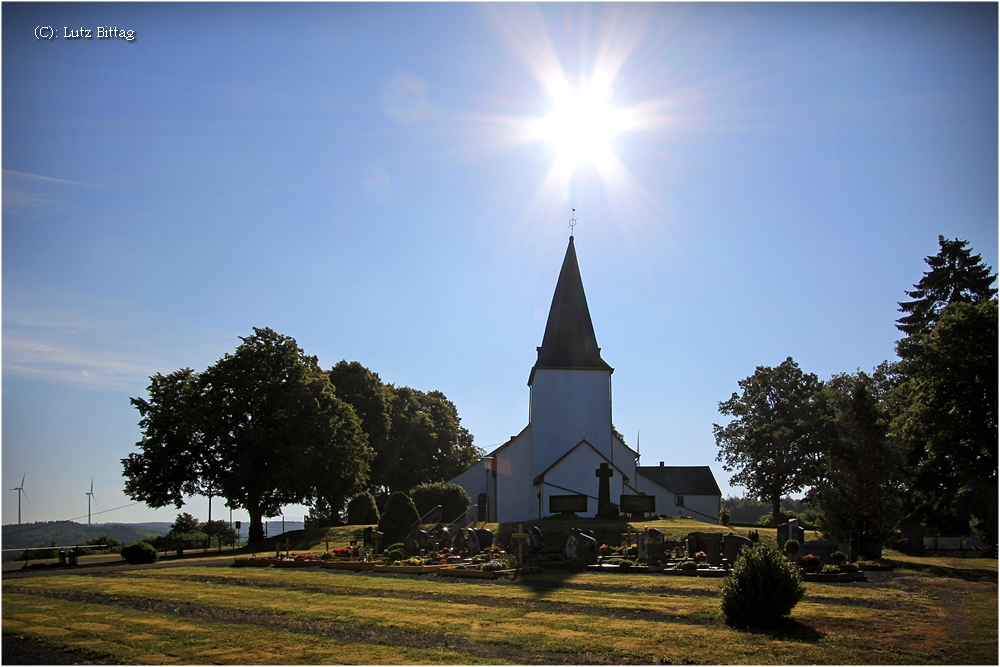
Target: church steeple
[{"x": 569, "y": 341}]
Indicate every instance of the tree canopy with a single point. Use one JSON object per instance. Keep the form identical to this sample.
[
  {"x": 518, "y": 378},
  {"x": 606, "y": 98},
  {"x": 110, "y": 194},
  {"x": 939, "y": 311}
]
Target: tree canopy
[
  {"x": 947, "y": 414},
  {"x": 262, "y": 427},
  {"x": 777, "y": 432}
]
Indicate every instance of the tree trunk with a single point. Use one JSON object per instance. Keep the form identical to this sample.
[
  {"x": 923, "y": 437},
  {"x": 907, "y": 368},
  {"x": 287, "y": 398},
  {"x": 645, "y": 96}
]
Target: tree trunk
[
  {"x": 776, "y": 510},
  {"x": 256, "y": 528}
]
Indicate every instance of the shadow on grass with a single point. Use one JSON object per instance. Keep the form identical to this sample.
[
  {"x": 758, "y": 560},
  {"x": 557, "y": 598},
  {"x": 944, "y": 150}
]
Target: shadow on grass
[
  {"x": 966, "y": 574},
  {"x": 785, "y": 629}
]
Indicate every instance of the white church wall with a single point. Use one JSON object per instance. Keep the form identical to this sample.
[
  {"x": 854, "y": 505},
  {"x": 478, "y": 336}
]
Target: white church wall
[
  {"x": 474, "y": 481},
  {"x": 624, "y": 459},
  {"x": 513, "y": 494},
  {"x": 567, "y": 406},
  {"x": 702, "y": 508},
  {"x": 575, "y": 474}
]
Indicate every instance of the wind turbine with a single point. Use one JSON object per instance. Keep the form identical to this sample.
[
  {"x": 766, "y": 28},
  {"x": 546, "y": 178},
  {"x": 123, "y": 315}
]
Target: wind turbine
[
  {"x": 90, "y": 495},
  {"x": 20, "y": 490}
]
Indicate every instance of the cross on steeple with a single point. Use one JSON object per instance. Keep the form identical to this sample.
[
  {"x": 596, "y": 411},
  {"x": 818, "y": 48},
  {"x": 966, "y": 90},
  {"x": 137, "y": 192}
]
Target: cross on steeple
[{"x": 572, "y": 223}]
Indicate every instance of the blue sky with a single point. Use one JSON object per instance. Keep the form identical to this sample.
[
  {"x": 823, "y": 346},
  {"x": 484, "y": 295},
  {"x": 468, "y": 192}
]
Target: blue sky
[{"x": 379, "y": 181}]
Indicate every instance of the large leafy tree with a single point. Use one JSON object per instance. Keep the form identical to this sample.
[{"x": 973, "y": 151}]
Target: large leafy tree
[
  {"x": 175, "y": 456},
  {"x": 946, "y": 405},
  {"x": 947, "y": 413},
  {"x": 263, "y": 424},
  {"x": 371, "y": 400},
  {"x": 426, "y": 442},
  {"x": 955, "y": 275},
  {"x": 778, "y": 430},
  {"x": 859, "y": 482}
]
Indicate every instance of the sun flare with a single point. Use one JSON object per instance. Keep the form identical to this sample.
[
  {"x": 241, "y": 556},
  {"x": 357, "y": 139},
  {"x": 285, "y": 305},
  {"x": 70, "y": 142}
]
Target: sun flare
[{"x": 581, "y": 129}]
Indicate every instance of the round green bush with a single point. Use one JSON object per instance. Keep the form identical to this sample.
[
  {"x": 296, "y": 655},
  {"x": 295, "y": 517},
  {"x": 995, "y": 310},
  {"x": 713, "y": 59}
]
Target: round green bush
[
  {"x": 453, "y": 499},
  {"x": 762, "y": 587},
  {"x": 140, "y": 553},
  {"x": 399, "y": 514},
  {"x": 791, "y": 547},
  {"x": 362, "y": 510},
  {"x": 838, "y": 558}
]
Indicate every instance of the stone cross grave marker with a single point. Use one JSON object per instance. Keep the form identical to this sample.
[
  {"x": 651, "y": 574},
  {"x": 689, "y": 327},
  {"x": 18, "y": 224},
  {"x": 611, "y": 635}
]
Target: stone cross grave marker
[
  {"x": 627, "y": 537},
  {"x": 326, "y": 538},
  {"x": 604, "y": 473},
  {"x": 520, "y": 536}
]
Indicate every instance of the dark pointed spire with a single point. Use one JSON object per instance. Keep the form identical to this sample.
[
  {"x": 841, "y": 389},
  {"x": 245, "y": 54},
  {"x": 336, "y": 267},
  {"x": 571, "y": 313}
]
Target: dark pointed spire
[{"x": 569, "y": 340}]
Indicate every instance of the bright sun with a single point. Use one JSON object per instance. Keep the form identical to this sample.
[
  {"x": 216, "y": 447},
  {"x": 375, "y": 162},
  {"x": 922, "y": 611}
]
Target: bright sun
[{"x": 580, "y": 130}]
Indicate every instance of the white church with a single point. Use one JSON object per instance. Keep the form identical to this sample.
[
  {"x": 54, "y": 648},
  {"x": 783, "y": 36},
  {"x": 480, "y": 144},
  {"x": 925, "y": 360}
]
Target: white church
[{"x": 561, "y": 460}]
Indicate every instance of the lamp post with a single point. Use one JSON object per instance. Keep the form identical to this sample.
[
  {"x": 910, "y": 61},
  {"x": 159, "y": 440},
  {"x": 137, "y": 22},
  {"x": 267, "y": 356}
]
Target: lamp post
[{"x": 490, "y": 463}]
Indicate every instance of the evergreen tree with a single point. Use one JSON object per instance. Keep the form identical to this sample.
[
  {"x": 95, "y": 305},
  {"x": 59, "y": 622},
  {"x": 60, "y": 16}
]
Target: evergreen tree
[{"x": 956, "y": 275}]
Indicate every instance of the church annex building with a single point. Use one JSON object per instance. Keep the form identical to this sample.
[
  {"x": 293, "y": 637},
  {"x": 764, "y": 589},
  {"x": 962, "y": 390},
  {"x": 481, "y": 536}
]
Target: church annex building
[{"x": 568, "y": 456}]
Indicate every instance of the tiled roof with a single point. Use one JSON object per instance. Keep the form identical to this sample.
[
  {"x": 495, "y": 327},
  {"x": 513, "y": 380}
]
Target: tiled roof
[{"x": 683, "y": 480}]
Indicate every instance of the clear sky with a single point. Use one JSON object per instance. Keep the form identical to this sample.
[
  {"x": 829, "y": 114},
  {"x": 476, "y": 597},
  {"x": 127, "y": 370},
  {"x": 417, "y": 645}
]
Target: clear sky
[{"x": 391, "y": 183}]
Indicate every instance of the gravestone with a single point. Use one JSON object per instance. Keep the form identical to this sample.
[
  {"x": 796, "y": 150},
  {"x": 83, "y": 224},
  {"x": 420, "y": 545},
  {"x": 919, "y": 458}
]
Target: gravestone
[
  {"x": 580, "y": 543},
  {"x": 532, "y": 542},
  {"x": 567, "y": 505},
  {"x": 651, "y": 544},
  {"x": 790, "y": 531},
  {"x": 484, "y": 536},
  {"x": 637, "y": 506},
  {"x": 731, "y": 545},
  {"x": 443, "y": 534},
  {"x": 710, "y": 543},
  {"x": 417, "y": 540}
]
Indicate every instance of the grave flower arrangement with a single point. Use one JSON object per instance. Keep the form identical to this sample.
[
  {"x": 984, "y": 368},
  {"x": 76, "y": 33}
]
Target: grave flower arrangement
[
  {"x": 700, "y": 557},
  {"x": 809, "y": 563}
]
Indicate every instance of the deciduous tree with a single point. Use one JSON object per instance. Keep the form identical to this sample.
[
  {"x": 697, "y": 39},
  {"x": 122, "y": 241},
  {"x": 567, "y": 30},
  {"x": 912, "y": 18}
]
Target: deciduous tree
[
  {"x": 858, "y": 485},
  {"x": 777, "y": 432}
]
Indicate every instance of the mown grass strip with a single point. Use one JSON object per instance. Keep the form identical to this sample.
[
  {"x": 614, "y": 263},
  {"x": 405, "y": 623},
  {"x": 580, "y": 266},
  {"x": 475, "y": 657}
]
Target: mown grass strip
[{"x": 134, "y": 637}]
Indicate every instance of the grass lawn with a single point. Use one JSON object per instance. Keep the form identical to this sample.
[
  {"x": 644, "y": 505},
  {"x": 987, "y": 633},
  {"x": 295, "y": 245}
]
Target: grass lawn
[{"x": 929, "y": 611}]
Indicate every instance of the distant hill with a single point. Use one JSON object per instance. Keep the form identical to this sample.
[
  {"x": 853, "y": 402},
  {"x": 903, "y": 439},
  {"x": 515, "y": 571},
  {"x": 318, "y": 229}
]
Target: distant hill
[{"x": 68, "y": 533}]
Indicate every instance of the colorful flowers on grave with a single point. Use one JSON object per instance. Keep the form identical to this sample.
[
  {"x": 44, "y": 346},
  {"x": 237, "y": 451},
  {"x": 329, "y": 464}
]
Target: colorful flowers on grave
[
  {"x": 701, "y": 557},
  {"x": 809, "y": 562}
]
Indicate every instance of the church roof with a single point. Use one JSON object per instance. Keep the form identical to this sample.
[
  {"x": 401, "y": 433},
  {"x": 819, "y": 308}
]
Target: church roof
[
  {"x": 683, "y": 480},
  {"x": 569, "y": 340}
]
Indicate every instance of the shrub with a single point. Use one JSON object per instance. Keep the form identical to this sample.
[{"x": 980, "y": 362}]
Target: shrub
[
  {"x": 688, "y": 565},
  {"x": 362, "y": 509},
  {"x": 140, "y": 553},
  {"x": 791, "y": 547},
  {"x": 762, "y": 587},
  {"x": 452, "y": 498},
  {"x": 400, "y": 513},
  {"x": 838, "y": 558},
  {"x": 609, "y": 511},
  {"x": 724, "y": 515}
]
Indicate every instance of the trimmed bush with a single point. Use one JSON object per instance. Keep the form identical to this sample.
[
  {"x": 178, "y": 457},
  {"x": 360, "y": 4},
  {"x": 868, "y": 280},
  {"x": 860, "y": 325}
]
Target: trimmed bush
[
  {"x": 838, "y": 558},
  {"x": 400, "y": 513},
  {"x": 362, "y": 509},
  {"x": 140, "y": 553},
  {"x": 792, "y": 547},
  {"x": 452, "y": 498},
  {"x": 762, "y": 587}
]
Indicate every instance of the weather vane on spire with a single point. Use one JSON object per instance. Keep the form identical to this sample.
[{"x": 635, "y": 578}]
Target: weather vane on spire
[{"x": 572, "y": 223}]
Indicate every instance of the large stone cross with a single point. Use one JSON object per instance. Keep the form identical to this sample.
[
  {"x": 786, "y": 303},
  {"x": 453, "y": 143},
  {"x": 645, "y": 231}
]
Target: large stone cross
[{"x": 604, "y": 473}]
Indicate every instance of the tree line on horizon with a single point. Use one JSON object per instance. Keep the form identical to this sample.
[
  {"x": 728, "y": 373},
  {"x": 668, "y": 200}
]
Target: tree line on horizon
[
  {"x": 912, "y": 442},
  {"x": 265, "y": 427}
]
